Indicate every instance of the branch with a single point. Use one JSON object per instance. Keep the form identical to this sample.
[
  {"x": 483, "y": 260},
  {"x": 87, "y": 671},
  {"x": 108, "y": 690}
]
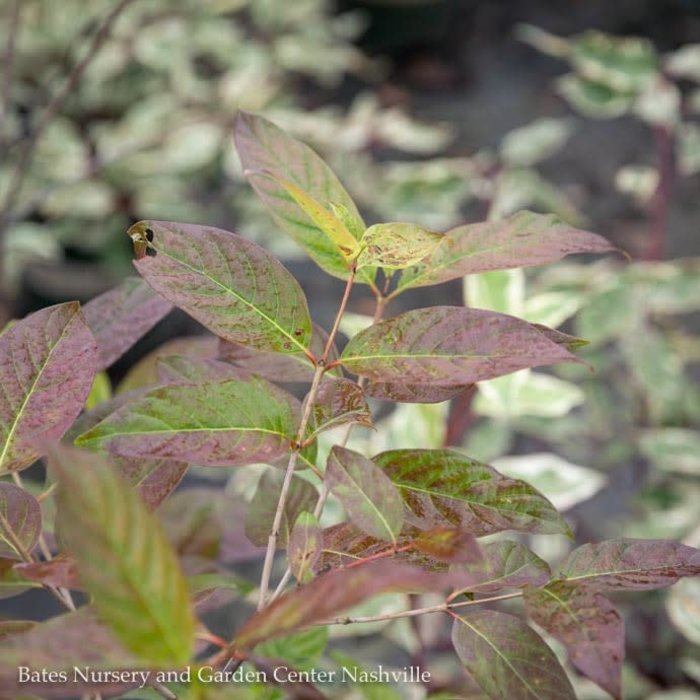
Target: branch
[
  {"x": 321, "y": 368},
  {"x": 441, "y": 608}
]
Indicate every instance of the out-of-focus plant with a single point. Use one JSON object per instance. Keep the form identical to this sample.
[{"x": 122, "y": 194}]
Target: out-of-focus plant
[
  {"x": 627, "y": 76},
  {"x": 123, "y": 114}
]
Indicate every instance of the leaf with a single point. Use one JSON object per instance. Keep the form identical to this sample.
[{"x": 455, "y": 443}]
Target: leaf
[
  {"x": 155, "y": 479},
  {"x": 508, "y": 659},
  {"x": 338, "y": 402},
  {"x": 522, "y": 240},
  {"x": 12, "y": 583},
  {"x": 587, "y": 624},
  {"x": 674, "y": 450},
  {"x": 448, "y": 544},
  {"x": 74, "y": 639},
  {"x": 203, "y": 586},
  {"x": 442, "y": 487},
  {"x": 412, "y": 393},
  {"x": 535, "y": 141},
  {"x": 506, "y": 564},
  {"x": 371, "y": 501},
  {"x": 47, "y": 364},
  {"x": 332, "y": 593},
  {"x": 230, "y": 285},
  {"x": 180, "y": 369},
  {"x": 215, "y": 424},
  {"x": 60, "y": 572},
  {"x": 325, "y": 220},
  {"x": 396, "y": 246},
  {"x": 20, "y": 522},
  {"x": 682, "y": 608},
  {"x": 304, "y": 547},
  {"x": 121, "y": 316},
  {"x": 631, "y": 565},
  {"x": 563, "y": 483},
  {"x": 301, "y": 650},
  {"x": 302, "y": 497},
  {"x": 262, "y": 146},
  {"x": 445, "y": 346},
  {"x": 10, "y": 627},
  {"x": 124, "y": 560}
]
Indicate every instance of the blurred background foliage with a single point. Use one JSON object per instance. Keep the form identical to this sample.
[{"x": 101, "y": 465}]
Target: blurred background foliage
[{"x": 432, "y": 111}]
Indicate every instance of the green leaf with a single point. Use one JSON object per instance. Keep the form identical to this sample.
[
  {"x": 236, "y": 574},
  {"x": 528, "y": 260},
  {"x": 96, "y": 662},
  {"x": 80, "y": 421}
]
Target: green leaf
[
  {"x": 675, "y": 450},
  {"x": 445, "y": 346},
  {"x": 506, "y": 564},
  {"x": 442, "y": 487},
  {"x": 396, "y": 246},
  {"x": 20, "y": 522},
  {"x": 371, "y": 501},
  {"x": 338, "y": 402},
  {"x": 124, "y": 560},
  {"x": 302, "y": 497},
  {"x": 587, "y": 624},
  {"x": 508, "y": 659},
  {"x": 631, "y": 565},
  {"x": 522, "y": 240},
  {"x": 593, "y": 99},
  {"x": 682, "y": 608},
  {"x": 300, "y": 650},
  {"x": 328, "y": 222},
  {"x": 305, "y": 547},
  {"x": 535, "y": 141},
  {"x": 49, "y": 360},
  {"x": 264, "y": 147},
  {"x": 12, "y": 582},
  {"x": 230, "y": 285},
  {"x": 215, "y": 424},
  {"x": 623, "y": 64}
]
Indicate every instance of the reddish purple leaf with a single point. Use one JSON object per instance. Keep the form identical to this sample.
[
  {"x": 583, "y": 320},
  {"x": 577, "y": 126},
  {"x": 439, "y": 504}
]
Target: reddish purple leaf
[
  {"x": 47, "y": 364},
  {"x": 632, "y": 565},
  {"x": 369, "y": 498},
  {"x": 442, "y": 487},
  {"x": 508, "y": 659},
  {"x": 230, "y": 285},
  {"x": 155, "y": 479},
  {"x": 226, "y": 423},
  {"x": 587, "y": 624},
  {"x": 445, "y": 346},
  {"x": 522, "y": 240},
  {"x": 60, "y": 572},
  {"x": 20, "y": 522},
  {"x": 261, "y": 513},
  {"x": 332, "y": 593},
  {"x": 338, "y": 402},
  {"x": 75, "y": 639},
  {"x": 304, "y": 548},
  {"x": 413, "y": 393},
  {"x": 145, "y": 371},
  {"x": 121, "y": 316},
  {"x": 506, "y": 564},
  {"x": 180, "y": 369},
  {"x": 449, "y": 544}
]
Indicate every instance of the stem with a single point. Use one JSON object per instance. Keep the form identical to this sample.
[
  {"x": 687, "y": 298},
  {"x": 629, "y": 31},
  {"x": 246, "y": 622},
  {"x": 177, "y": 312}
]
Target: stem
[
  {"x": 62, "y": 594},
  {"x": 294, "y": 456},
  {"x": 53, "y": 108},
  {"x": 441, "y": 608},
  {"x": 382, "y": 301},
  {"x": 662, "y": 196}
]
